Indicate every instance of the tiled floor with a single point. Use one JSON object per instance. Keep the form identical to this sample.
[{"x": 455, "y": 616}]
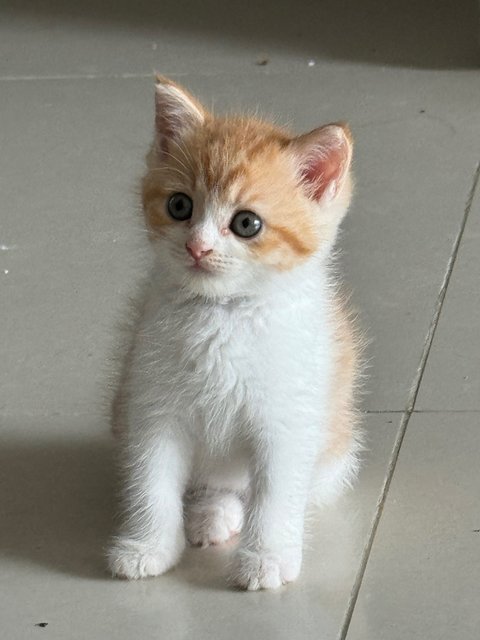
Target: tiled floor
[{"x": 398, "y": 557}]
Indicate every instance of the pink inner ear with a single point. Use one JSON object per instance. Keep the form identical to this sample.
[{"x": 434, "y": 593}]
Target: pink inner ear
[
  {"x": 325, "y": 169},
  {"x": 325, "y": 157}
]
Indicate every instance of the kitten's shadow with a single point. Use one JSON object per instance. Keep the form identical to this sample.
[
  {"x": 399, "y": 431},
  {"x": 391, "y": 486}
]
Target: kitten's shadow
[{"x": 57, "y": 502}]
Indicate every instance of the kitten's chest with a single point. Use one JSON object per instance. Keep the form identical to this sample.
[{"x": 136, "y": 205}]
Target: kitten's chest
[
  {"x": 224, "y": 343},
  {"x": 213, "y": 365},
  {"x": 221, "y": 358},
  {"x": 219, "y": 349}
]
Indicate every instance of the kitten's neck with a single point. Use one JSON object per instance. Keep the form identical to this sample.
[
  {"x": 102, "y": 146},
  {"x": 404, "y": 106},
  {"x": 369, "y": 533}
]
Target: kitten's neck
[{"x": 308, "y": 280}]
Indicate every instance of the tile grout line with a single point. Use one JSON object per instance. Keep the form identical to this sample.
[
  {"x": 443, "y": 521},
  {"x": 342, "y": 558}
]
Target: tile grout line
[
  {"x": 409, "y": 409},
  {"x": 418, "y": 411},
  {"x": 114, "y": 76},
  {"x": 129, "y": 75},
  {"x": 79, "y": 76}
]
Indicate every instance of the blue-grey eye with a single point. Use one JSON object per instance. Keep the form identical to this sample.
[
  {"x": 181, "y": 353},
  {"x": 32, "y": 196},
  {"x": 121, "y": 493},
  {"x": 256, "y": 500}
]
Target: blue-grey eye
[
  {"x": 246, "y": 224},
  {"x": 180, "y": 206}
]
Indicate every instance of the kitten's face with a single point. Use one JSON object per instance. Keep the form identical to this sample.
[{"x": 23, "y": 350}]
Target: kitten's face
[{"x": 232, "y": 202}]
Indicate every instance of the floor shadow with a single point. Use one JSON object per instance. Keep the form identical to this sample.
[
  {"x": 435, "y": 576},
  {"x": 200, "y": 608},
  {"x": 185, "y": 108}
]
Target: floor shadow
[
  {"x": 412, "y": 33},
  {"x": 57, "y": 504}
]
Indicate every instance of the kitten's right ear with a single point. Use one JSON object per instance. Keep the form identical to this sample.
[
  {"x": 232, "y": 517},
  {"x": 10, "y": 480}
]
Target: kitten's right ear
[{"x": 176, "y": 112}]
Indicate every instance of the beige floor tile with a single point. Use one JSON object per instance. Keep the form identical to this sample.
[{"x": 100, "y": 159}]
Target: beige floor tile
[
  {"x": 452, "y": 375},
  {"x": 421, "y": 581}
]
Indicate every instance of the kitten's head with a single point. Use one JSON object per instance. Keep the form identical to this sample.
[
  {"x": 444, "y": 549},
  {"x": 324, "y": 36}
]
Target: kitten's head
[{"x": 230, "y": 203}]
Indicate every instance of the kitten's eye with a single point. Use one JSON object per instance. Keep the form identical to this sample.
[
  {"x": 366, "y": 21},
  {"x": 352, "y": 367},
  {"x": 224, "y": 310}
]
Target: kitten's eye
[
  {"x": 246, "y": 224},
  {"x": 180, "y": 206}
]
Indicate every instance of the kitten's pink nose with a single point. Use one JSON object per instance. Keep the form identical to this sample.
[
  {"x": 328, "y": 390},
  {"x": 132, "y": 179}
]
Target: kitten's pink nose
[{"x": 198, "y": 249}]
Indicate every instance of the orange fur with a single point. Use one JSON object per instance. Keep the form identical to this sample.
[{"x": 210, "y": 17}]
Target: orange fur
[{"x": 343, "y": 414}]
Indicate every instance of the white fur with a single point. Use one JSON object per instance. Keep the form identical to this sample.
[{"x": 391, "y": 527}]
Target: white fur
[
  {"x": 213, "y": 518},
  {"x": 225, "y": 394}
]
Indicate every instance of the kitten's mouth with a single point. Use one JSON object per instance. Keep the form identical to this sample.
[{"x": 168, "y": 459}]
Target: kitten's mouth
[{"x": 200, "y": 267}]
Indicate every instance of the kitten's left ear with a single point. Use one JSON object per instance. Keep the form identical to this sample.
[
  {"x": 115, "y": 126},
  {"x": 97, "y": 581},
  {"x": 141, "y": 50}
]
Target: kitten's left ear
[
  {"x": 176, "y": 112},
  {"x": 323, "y": 157}
]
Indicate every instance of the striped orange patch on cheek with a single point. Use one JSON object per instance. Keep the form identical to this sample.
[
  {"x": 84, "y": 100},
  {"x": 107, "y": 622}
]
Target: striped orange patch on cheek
[
  {"x": 282, "y": 246},
  {"x": 296, "y": 243}
]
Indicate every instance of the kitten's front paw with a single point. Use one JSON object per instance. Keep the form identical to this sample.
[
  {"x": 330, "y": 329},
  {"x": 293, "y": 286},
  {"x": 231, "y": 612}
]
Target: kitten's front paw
[
  {"x": 255, "y": 570},
  {"x": 133, "y": 560},
  {"x": 213, "y": 519}
]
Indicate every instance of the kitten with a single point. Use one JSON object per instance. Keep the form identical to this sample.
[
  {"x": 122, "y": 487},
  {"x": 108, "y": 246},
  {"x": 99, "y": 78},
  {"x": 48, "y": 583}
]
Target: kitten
[{"x": 236, "y": 403}]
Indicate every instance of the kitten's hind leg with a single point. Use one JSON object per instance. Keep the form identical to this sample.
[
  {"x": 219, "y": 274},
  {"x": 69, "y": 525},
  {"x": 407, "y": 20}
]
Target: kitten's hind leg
[
  {"x": 212, "y": 516},
  {"x": 338, "y": 463},
  {"x": 214, "y": 503}
]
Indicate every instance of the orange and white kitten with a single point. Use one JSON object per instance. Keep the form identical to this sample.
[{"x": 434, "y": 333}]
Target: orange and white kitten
[{"x": 236, "y": 404}]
